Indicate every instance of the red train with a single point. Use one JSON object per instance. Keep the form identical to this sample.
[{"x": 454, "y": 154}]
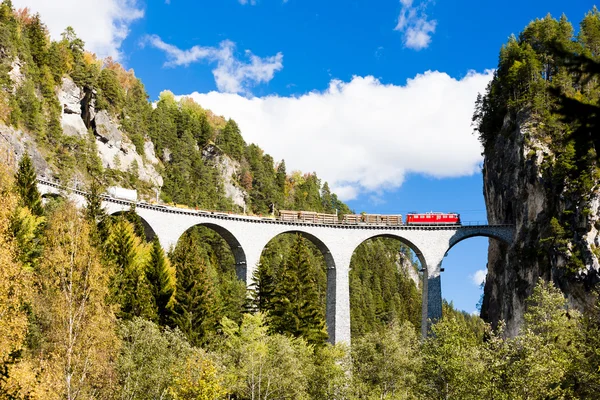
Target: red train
[{"x": 432, "y": 218}]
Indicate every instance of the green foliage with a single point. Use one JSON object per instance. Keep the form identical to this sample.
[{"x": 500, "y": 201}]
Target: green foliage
[
  {"x": 111, "y": 95},
  {"x": 161, "y": 279},
  {"x": 27, "y": 186},
  {"x": 30, "y": 108},
  {"x": 198, "y": 378},
  {"x": 389, "y": 362},
  {"x": 291, "y": 285},
  {"x": 263, "y": 366},
  {"x": 295, "y": 304},
  {"x": 452, "y": 366},
  {"x": 546, "y": 88},
  {"x": 195, "y": 310},
  {"x": 129, "y": 287},
  {"x": 230, "y": 140},
  {"x": 330, "y": 378},
  {"x": 149, "y": 357},
  {"x": 381, "y": 290}
]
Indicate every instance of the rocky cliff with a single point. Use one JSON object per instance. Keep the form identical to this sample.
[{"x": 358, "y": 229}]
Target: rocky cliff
[
  {"x": 519, "y": 189},
  {"x": 538, "y": 175}
]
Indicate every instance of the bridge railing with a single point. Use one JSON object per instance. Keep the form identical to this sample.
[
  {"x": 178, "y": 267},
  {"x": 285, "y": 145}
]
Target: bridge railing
[
  {"x": 474, "y": 223},
  {"x": 53, "y": 182}
]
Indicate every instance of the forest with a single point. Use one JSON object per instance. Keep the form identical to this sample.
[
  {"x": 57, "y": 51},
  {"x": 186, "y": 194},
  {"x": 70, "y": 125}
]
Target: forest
[{"x": 90, "y": 308}]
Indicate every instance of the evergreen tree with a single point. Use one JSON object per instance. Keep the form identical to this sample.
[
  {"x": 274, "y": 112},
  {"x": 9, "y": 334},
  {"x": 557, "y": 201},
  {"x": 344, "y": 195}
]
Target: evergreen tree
[
  {"x": 161, "y": 280},
  {"x": 37, "y": 35},
  {"x": 327, "y": 200},
  {"x": 230, "y": 140},
  {"x": 27, "y": 186},
  {"x": 281, "y": 177},
  {"x": 295, "y": 306},
  {"x": 129, "y": 287},
  {"x": 264, "y": 290},
  {"x": 195, "y": 309}
]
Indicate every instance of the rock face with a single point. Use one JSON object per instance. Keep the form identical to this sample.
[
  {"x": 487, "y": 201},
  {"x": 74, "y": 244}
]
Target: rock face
[
  {"x": 405, "y": 265},
  {"x": 70, "y": 95},
  {"x": 14, "y": 143},
  {"x": 519, "y": 189},
  {"x": 228, "y": 168},
  {"x": 114, "y": 147},
  {"x": 117, "y": 152}
]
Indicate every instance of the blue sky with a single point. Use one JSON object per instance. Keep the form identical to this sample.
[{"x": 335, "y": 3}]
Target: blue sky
[{"x": 374, "y": 96}]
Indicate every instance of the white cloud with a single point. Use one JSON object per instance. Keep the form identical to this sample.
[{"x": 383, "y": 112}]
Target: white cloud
[
  {"x": 479, "y": 277},
  {"x": 231, "y": 75},
  {"x": 102, "y": 24},
  {"x": 362, "y": 135},
  {"x": 414, "y": 24},
  {"x": 244, "y": 2}
]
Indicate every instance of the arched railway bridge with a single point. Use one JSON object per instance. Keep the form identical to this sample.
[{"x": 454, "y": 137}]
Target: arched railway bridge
[{"x": 247, "y": 236}]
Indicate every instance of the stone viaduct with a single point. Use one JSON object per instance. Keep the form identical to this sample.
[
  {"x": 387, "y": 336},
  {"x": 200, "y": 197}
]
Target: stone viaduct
[{"x": 247, "y": 236}]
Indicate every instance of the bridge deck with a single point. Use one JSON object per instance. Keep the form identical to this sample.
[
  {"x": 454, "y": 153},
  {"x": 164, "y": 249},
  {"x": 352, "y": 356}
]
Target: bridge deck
[{"x": 267, "y": 220}]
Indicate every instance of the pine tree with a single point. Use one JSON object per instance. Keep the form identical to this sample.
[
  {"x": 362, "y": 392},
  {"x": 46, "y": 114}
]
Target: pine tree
[
  {"x": 195, "y": 309},
  {"x": 264, "y": 290},
  {"x": 327, "y": 200},
  {"x": 95, "y": 214},
  {"x": 27, "y": 186},
  {"x": 295, "y": 306},
  {"x": 281, "y": 176},
  {"x": 38, "y": 40},
  {"x": 129, "y": 287},
  {"x": 161, "y": 280}
]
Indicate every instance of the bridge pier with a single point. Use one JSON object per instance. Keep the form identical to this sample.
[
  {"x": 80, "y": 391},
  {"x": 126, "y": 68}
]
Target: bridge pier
[
  {"x": 337, "y": 313},
  {"x": 432, "y": 290}
]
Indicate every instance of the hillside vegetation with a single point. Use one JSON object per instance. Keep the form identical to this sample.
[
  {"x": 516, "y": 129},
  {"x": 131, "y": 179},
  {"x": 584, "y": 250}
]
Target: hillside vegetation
[{"x": 89, "y": 308}]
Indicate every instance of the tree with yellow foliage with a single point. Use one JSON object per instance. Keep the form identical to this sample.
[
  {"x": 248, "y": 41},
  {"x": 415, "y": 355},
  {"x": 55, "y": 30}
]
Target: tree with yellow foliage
[
  {"x": 80, "y": 343},
  {"x": 15, "y": 289}
]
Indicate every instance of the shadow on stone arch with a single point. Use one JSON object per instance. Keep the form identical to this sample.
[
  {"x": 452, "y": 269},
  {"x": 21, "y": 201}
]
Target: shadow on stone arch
[
  {"x": 148, "y": 231},
  {"x": 239, "y": 256},
  {"x": 385, "y": 284}
]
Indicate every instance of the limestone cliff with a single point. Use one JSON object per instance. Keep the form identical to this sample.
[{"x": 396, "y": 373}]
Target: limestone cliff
[
  {"x": 541, "y": 168},
  {"x": 520, "y": 188}
]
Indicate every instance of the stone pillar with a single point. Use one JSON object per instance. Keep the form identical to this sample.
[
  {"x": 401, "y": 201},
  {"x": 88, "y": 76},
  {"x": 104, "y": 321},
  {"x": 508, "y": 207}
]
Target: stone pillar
[
  {"x": 245, "y": 268},
  {"x": 338, "y": 298},
  {"x": 432, "y": 292}
]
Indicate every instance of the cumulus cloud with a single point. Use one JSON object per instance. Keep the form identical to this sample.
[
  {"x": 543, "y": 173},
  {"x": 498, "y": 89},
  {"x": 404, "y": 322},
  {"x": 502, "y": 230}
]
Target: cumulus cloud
[
  {"x": 103, "y": 25},
  {"x": 231, "y": 74},
  {"x": 479, "y": 277},
  {"x": 364, "y": 136},
  {"x": 415, "y": 25}
]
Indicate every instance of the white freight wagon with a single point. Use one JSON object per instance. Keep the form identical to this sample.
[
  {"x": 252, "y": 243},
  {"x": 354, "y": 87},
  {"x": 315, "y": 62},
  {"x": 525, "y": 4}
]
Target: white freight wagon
[{"x": 122, "y": 193}]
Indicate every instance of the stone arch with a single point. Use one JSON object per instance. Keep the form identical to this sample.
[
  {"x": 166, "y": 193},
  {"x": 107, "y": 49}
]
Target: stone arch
[
  {"x": 404, "y": 241},
  {"x": 52, "y": 196},
  {"x": 148, "y": 230},
  {"x": 503, "y": 234},
  {"x": 424, "y": 287},
  {"x": 329, "y": 261},
  {"x": 234, "y": 245}
]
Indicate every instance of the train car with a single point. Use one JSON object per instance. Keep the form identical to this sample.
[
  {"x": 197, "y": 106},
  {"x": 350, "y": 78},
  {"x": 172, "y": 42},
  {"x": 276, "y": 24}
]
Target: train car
[
  {"x": 122, "y": 193},
  {"x": 432, "y": 218},
  {"x": 391, "y": 219},
  {"x": 327, "y": 218},
  {"x": 352, "y": 219},
  {"x": 289, "y": 216}
]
